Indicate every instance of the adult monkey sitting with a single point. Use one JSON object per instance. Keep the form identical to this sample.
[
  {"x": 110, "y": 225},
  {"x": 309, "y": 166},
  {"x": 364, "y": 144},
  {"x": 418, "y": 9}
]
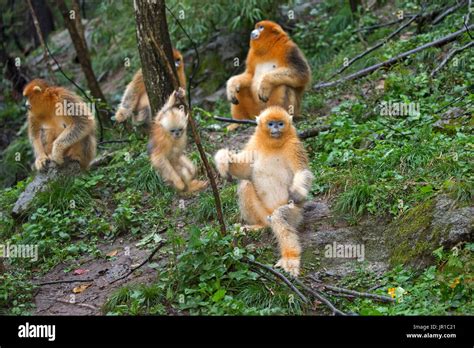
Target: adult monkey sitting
[{"x": 276, "y": 74}]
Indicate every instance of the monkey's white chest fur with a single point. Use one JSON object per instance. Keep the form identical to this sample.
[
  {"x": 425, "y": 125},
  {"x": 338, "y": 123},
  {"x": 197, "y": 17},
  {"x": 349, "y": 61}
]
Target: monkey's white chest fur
[
  {"x": 260, "y": 71},
  {"x": 271, "y": 178}
]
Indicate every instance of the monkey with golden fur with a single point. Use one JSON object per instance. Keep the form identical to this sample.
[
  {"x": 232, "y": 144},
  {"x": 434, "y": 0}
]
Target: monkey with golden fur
[
  {"x": 167, "y": 145},
  {"x": 274, "y": 181},
  {"x": 276, "y": 73},
  {"x": 135, "y": 98},
  {"x": 60, "y": 125}
]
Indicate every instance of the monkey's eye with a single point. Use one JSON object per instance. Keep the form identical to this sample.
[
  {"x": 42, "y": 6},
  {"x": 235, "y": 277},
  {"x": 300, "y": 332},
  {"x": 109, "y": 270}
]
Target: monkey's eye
[
  {"x": 280, "y": 124},
  {"x": 260, "y": 28}
]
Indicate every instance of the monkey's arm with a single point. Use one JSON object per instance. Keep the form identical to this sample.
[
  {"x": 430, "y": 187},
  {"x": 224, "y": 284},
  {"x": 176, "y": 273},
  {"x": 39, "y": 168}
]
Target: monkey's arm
[
  {"x": 78, "y": 129},
  {"x": 235, "y": 84},
  {"x": 301, "y": 185},
  {"x": 186, "y": 162},
  {"x": 34, "y": 133},
  {"x": 296, "y": 75},
  {"x": 130, "y": 98},
  {"x": 166, "y": 170},
  {"x": 238, "y": 165}
]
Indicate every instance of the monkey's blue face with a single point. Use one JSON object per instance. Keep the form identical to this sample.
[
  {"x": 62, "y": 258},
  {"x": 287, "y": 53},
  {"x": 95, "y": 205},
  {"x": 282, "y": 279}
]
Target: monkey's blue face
[
  {"x": 176, "y": 132},
  {"x": 275, "y": 128},
  {"x": 255, "y": 34}
]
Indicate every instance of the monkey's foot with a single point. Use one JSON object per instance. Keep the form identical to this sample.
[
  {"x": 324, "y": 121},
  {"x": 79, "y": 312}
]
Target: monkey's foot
[
  {"x": 290, "y": 265},
  {"x": 253, "y": 227},
  {"x": 232, "y": 127},
  {"x": 196, "y": 185}
]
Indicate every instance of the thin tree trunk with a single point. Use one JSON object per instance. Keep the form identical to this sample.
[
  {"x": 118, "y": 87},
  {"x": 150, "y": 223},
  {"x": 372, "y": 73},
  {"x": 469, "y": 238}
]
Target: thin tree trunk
[
  {"x": 160, "y": 75},
  {"x": 45, "y": 19},
  {"x": 154, "y": 43},
  {"x": 41, "y": 38},
  {"x": 71, "y": 20}
]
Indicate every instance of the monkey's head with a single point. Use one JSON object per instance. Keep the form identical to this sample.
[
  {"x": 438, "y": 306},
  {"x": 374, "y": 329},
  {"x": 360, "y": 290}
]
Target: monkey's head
[
  {"x": 34, "y": 92},
  {"x": 175, "y": 121},
  {"x": 276, "y": 124},
  {"x": 265, "y": 34},
  {"x": 178, "y": 58}
]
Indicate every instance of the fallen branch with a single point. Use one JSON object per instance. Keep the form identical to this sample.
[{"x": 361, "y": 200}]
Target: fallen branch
[
  {"x": 310, "y": 133},
  {"x": 353, "y": 292},
  {"x": 383, "y": 25},
  {"x": 233, "y": 120},
  {"x": 320, "y": 297},
  {"x": 157, "y": 248},
  {"x": 450, "y": 55},
  {"x": 86, "y": 305},
  {"x": 446, "y": 13},
  {"x": 373, "y": 48},
  {"x": 366, "y": 71},
  {"x": 303, "y": 135},
  {"x": 66, "y": 281},
  {"x": 279, "y": 275}
]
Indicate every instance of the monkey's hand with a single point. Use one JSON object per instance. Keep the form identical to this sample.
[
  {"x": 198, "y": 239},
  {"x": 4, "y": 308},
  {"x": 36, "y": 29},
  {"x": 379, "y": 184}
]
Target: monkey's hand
[
  {"x": 264, "y": 90},
  {"x": 301, "y": 186},
  {"x": 233, "y": 87},
  {"x": 42, "y": 163},
  {"x": 57, "y": 156},
  {"x": 122, "y": 114},
  {"x": 291, "y": 265},
  {"x": 222, "y": 160}
]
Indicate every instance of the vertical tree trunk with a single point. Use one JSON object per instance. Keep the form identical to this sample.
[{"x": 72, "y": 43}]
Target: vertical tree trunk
[
  {"x": 45, "y": 19},
  {"x": 71, "y": 18},
  {"x": 154, "y": 44},
  {"x": 160, "y": 76}
]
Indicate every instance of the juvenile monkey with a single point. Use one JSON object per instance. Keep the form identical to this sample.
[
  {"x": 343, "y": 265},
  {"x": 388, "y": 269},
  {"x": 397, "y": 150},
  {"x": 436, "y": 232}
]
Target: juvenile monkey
[
  {"x": 60, "y": 125},
  {"x": 135, "y": 98},
  {"x": 276, "y": 73},
  {"x": 167, "y": 145},
  {"x": 274, "y": 181}
]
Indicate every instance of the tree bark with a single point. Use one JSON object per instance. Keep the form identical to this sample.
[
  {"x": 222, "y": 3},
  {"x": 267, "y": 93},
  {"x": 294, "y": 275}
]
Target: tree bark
[
  {"x": 82, "y": 51},
  {"x": 45, "y": 19},
  {"x": 153, "y": 44}
]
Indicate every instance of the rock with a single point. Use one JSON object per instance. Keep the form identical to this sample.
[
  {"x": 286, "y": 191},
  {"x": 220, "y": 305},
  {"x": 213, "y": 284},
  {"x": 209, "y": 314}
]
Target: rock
[
  {"x": 412, "y": 239},
  {"x": 40, "y": 183}
]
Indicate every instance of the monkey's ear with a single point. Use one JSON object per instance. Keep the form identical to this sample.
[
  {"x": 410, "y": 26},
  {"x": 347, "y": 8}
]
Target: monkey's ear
[
  {"x": 37, "y": 89},
  {"x": 257, "y": 119}
]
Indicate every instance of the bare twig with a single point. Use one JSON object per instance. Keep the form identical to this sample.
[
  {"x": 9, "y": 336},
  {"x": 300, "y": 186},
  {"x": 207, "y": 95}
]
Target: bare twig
[
  {"x": 446, "y": 13},
  {"x": 310, "y": 133},
  {"x": 157, "y": 248},
  {"x": 366, "y": 71},
  {"x": 233, "y": 120},
  {"x": 197, "y": 137},
  {"x": 467, "y": 18},
  {"x": 320, "y": 297},
  {"x": 373, "y": 48},
  {"x": 86, "y": 305},
  {"x": 66, "y": 281},
  {"x": 279, "y": 275},
  {"x": 450, "y": 55},
  {"x": 382, "y": 25},
  {"x": 303, "y": 135},
  {"x": 41, "y": 39},
  {"x": 353, "y": 292}
]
